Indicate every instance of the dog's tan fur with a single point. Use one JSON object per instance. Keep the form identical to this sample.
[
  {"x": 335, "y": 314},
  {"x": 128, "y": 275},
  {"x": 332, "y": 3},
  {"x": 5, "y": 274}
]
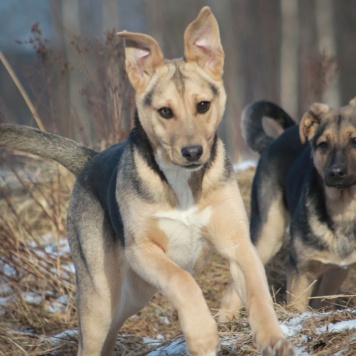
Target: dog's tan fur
[{"x": 177, "y": 212}]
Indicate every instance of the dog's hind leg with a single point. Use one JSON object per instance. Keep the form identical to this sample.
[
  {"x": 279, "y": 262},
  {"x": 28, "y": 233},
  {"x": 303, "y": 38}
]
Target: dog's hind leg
[
  {"x": 268, "y": 224},
  {"x": 97, "y": 302},
  {"x": 105, "y": 283},
  {"x": 105, "y": 307},
  {"x": 230, "y": 304},
  {"x": 329, "y": 284},
  {"x": 107, "y": 296}
]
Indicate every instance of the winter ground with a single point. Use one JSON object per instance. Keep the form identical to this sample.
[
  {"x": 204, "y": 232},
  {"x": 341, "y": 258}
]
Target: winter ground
[{"x": 37, "y": 293}]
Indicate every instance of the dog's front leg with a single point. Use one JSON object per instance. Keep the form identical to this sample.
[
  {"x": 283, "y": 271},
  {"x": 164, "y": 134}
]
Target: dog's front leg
[
  {"x": 199, "y": 327},
  {"x": 229, "y": 232},
  {"x": 301, "y": 282}
]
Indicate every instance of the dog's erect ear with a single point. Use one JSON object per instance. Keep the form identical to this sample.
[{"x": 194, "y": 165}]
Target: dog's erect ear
[
  {"x": 353, "y": 102},
  {"x": 142, "y": 57},
  {"x": 311, "y": 120},
  {"x": 202, "y": 44}
]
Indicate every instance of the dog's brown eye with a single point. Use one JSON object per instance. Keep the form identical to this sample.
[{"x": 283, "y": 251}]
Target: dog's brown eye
[
  {"x": 203, "y": 107},
  {"x": 353, "y": 141},
  {"x": 165, "y": 112},
  {"x": 323, "y": 146}
]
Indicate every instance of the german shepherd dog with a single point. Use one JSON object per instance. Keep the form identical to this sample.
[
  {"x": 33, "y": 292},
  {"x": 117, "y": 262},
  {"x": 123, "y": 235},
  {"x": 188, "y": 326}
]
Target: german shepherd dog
[
  {"x": 145, "y": 213},
  {"x": 306, "y": 178}
]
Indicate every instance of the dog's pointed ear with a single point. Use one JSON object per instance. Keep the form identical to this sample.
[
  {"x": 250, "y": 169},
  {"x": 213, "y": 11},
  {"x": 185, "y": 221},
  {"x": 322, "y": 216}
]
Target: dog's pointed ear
[
  {"x": 353, "y": 102},
  {"x": 142, "y": 57},
  {"x": 311, "y": 120},
  {"x": 202, "y": 44}
]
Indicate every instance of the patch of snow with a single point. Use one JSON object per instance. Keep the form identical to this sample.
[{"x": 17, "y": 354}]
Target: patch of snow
[
  {"x": 58, "y": 305},
  {"x": 48, "y": 238},
  {"x": 32, "y": 298},
  {"x": 62, "y": 336},
  {"x": 227, "y": 341},
  {"x": 5, "y": 289},
  {"x": 40, "y": 254},
  {"x": 63, "y": 299},
  {"x": 165, "y": 320},
  {"x": 64, "y": 247},
  {"x": 152, "y": 342},
  {"x": 60, "y": 247},
  {"x": 288, "y": 332},
  {"x": 55, "y": 308},
  {"x": 4, "y": 301},
  {"x": 299, "y": 351},
  {"x": 337, "y": 327},
  {"x": 242, "y": 166},
  {"x": 8, "y": 270},
  {"x": 177, "y": 347},
  {"x": 293, "y": 326},
  {"x": 69, "y": 267}
]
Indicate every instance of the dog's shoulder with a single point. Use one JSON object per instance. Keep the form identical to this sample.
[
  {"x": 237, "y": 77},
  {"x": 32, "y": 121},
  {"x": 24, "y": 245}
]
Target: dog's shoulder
[{"x": 99, "y": 171}]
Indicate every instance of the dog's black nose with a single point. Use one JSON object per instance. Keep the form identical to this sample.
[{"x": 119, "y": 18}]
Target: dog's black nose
[
  {"x": 192, "y": 153},
  {"x": 337, "y": 173}
]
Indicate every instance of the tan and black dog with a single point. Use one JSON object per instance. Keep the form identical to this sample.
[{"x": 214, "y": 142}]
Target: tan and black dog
[
  {"x": 305, "y": 178},
  {"x": 145, "y": 213}
]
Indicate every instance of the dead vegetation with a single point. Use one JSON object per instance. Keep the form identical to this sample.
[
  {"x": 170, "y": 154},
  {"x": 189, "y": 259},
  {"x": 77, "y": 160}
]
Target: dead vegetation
[{"x": 37, "y": 282}]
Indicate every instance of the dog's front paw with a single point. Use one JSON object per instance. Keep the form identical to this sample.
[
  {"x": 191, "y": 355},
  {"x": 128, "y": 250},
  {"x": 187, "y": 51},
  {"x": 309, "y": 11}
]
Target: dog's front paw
[
  {"x": 279, "y": 347},
  {"x": 209, "y": 345},
  {"x": 204, "y": 341}
]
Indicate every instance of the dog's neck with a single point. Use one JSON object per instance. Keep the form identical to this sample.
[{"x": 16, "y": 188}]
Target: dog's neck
[
  {"x": 341, "y": 203},
  {"x": 186, "y": 184}
]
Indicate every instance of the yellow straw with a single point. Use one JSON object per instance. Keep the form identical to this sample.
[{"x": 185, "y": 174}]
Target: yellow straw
[{"x": 22, "y": 91}]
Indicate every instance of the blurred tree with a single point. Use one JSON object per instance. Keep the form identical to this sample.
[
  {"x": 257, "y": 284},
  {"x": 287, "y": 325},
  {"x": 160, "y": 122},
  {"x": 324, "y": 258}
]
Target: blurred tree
[
  {"x": 324, "y": 13},
  {"x": 289, "y": 56}
]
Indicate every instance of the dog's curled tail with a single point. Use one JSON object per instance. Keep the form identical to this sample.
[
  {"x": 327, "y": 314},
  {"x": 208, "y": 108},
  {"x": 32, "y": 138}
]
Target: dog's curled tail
[
  {"x": 251, "y": 123},
  {"x": 70, "y": 154}
]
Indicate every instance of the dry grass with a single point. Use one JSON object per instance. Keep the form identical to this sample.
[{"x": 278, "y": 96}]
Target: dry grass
[{"x": 34, "y": 206}]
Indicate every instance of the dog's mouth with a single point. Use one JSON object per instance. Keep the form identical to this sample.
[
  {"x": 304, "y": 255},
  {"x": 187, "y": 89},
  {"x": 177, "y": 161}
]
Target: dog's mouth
[
  {"x": 341, "y": 184},
  {"x": 194, "y": 166}
]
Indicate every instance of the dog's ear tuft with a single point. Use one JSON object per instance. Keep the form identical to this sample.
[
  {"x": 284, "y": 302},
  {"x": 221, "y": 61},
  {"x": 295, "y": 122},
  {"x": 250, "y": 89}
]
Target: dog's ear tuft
[
  {"x": 353, "y": 102},
  {"x": 142, "y": 57},
  {"x": 202, "y": 44},
  {"x": 311, "y": 120}
]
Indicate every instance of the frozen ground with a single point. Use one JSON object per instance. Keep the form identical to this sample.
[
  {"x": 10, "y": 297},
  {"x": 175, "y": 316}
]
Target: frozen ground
[
  {"x": 303, "y": 330},
  {"x": 292, "y": 328}
]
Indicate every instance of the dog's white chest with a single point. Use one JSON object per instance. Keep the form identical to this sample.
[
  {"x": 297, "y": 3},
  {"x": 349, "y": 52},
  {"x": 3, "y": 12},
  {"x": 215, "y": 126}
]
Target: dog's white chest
[{"x": 183, "y": 228}]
